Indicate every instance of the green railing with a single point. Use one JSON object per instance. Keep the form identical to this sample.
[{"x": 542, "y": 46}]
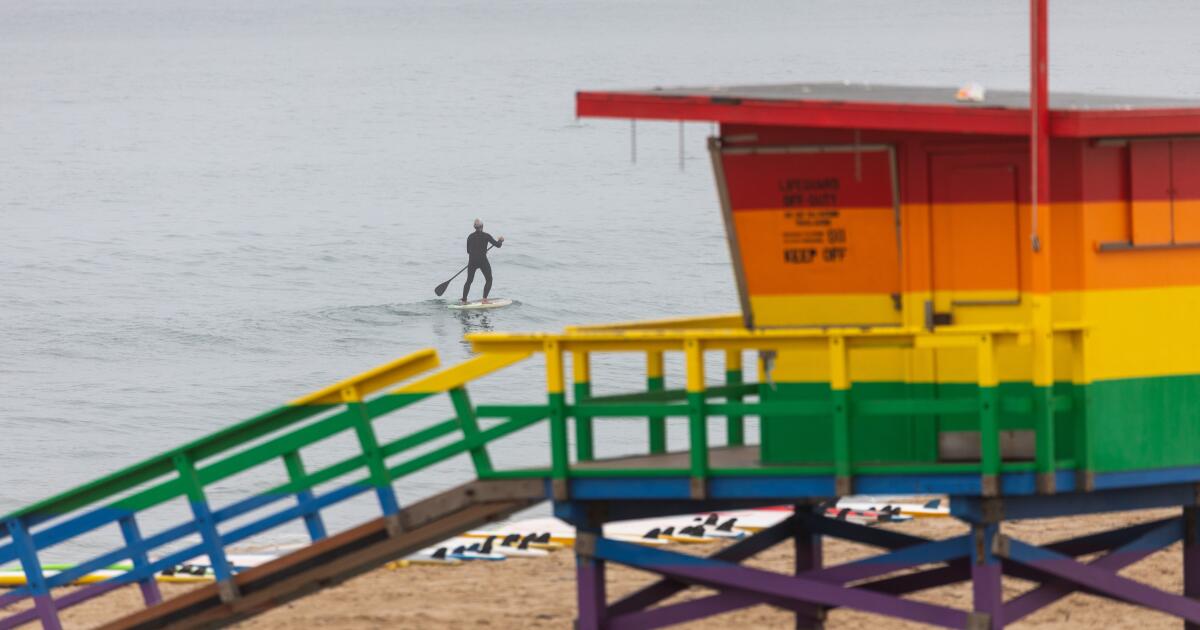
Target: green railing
[
  {"x": 698, "y": 402},
  {"x": 350, "y": 407}
]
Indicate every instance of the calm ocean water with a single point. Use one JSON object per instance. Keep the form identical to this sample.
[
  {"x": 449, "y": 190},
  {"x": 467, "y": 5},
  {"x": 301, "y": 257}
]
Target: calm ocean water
[{"x": 210, "y": 208}]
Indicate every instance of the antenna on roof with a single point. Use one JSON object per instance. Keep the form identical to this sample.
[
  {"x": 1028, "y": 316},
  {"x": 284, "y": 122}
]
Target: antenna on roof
[
  {"x": 633, "y": 141},
  {"x": 681, "y": 145},
  {"x": 857, "y": 155}
]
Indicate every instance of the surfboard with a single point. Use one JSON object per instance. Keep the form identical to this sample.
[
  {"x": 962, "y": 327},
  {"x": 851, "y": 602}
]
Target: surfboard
[
  {"x": 10, "y": 578},
  {"x": 479, "y": 305}
]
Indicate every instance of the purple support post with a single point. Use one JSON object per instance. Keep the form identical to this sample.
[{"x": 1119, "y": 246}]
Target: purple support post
[
  {"x": 589, "y": 579},
  {"x": 985, "y": 578},
  {"x": 133, "y": 541},
  {"x": 808, "y": 558},
  {"x": 43, "y": 602},
  {"x": 1191, "y": 557}
]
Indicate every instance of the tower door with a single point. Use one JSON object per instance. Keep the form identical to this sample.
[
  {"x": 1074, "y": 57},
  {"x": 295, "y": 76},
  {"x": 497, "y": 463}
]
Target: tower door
[{"x": 975, "y": 218}]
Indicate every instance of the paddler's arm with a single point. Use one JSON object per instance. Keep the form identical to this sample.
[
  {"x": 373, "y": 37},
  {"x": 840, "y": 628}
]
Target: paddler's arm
[{"x": 496, "y": 242}]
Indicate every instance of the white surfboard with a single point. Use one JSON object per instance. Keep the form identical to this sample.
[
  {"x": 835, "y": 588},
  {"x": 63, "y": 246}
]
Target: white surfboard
[{"x": 479, "y": 305}]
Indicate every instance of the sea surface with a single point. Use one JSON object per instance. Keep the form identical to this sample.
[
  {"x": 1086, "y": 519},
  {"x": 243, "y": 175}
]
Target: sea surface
[{"x": 210, "y": 208}]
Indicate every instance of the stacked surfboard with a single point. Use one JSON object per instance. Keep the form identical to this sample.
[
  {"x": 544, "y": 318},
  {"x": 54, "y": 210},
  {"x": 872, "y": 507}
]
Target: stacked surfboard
[
  {"x": 191, "y": 571},
  {"x": 539, "y": 537}
]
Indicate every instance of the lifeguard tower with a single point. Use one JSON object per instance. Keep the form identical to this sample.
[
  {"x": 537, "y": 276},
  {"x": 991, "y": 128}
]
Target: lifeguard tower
[
  {"x": 898, "y": 226},
  {"x": 994, "y": 300}
]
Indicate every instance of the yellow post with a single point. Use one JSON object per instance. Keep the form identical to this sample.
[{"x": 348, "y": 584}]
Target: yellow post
[
  {"x": 989, "y": 427},
  {"x": 697, "y": 417},
  {"x": 735, "y": 424},
  {"x": 1043, "y": 385},
  {"x": 839, "y": 393},
  {"x": 581, "y": 370},
  {"x": 1080, "y": 379},
  {"x": 656, "y": 383},
  {"x": 559, "y": 449}
]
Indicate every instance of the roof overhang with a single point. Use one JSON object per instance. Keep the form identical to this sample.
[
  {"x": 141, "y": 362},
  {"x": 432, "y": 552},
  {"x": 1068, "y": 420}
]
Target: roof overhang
[{"x": 678, "y": 105}]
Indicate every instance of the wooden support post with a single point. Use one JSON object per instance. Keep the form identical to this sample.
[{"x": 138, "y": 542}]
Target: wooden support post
[
  {"x": 469, "y": 423},
  {"x": 697, "y": 417},
  {"x": 986, "y": 576},
  {"x": 581, "y": 369},
  {"x": 656, "y": 383},
  {"x": 839, "y": 393},
  {"x": 1191, "y": 557},
  {"x": 304, "y": 496},
  {"x": 206, "y": 526},
  {"x": 808, "y": 558},
  {"x": 137, "y": 553},
  {"x": 560, "y": 452},
  {"x": 989, "y": 426},
  {"x": 735, "y": 425},
  {"x": 590, "y": 577}
]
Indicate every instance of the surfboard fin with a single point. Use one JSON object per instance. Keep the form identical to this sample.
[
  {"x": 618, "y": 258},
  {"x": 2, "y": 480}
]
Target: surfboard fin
[{"x": 727, "y": 526}]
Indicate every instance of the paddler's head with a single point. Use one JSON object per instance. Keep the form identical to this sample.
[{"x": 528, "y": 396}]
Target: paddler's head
[{"x": 478, "y": 225}]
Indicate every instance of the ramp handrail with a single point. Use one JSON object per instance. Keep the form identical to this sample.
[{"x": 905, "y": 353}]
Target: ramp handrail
[{"x": 185, "y": 472}]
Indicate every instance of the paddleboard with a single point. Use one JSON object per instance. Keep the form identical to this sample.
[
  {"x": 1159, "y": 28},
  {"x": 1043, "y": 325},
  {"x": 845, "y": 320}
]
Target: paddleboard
[
  {"x": 10, "y": 578},
  {"x": 429, "y": 556},
  {"x": 479, "y": 305},
  {"x": 900, "y": 506}
]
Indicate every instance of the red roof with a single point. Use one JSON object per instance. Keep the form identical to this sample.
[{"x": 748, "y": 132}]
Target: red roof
[{"x": 860, "y": 106}]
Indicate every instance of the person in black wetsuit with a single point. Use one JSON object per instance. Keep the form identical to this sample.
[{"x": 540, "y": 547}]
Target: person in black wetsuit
[{"x": 477, "y": 245}]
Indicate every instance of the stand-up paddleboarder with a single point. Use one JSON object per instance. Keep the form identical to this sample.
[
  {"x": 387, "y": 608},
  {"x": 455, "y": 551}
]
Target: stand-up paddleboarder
[{"x": 477, "y": 246}]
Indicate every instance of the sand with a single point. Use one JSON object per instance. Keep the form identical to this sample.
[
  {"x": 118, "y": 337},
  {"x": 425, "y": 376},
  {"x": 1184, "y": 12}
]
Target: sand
[{"x": 540, "y": 593}]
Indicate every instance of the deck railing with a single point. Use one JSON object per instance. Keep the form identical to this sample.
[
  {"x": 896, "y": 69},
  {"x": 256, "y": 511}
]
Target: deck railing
[{"x": 698, "y": 402}]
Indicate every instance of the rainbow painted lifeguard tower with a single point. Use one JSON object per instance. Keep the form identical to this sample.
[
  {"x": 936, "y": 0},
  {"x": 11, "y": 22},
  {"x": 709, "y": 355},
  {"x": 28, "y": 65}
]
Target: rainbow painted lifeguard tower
[{"x": 992, "y": 300}]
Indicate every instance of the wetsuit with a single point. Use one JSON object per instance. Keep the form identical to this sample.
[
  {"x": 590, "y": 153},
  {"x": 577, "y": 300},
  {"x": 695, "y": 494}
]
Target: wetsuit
[{"x": 477, "y": 244}]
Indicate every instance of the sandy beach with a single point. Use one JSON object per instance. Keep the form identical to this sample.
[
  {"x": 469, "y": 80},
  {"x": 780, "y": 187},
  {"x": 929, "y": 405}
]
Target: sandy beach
[{"x": 540, "y": 593}]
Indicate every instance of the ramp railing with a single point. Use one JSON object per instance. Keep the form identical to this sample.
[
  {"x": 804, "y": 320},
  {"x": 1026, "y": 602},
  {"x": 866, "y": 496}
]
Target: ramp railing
[{"x": 347, "y": 407}]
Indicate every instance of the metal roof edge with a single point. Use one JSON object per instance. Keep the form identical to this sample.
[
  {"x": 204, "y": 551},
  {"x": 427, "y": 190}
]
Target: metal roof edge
[{"x": 884, "y": 116}]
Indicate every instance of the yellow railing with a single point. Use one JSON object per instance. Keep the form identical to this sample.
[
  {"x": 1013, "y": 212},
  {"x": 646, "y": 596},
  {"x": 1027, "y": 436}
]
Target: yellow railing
[{"x": 694, "y": 337}]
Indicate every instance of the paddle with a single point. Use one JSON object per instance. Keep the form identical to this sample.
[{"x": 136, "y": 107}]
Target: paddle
[{"x": 441, "y": 288}]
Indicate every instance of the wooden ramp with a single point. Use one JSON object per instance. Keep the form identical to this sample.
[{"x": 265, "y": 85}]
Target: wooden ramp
[{"x": 341, "y": 557}]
